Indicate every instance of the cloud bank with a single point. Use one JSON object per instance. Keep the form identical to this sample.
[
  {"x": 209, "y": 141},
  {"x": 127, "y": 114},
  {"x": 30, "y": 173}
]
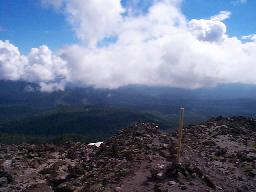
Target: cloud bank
[{"x": 122, "y": 46}]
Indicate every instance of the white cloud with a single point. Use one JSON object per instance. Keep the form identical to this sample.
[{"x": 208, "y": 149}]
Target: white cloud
[
  {"x": 251, "y": 37},
  {"x": 168, "y": 61},
  {"x": 159, "y": 47},
  {"x": 92, "y": 20},
  {"x": 212, "y": 29},
  {"x": 43, "y": 66},
  {"x": 11, "y": 61},
  {"x": 223, "y": 15},
  {"x": 39, "y": 66},
  {"x": 50, "y": 87},
  {"x": 208, "y": 30}
]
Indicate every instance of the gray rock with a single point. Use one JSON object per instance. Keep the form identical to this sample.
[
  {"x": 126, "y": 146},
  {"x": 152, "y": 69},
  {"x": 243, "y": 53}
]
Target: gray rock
[
  {"x": 171, "y": 183},
  {"x": 3, "y": 182},
  {"x": 118, "y": 189}
]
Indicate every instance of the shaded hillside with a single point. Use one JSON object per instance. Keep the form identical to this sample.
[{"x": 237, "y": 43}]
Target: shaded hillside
[{"x": 94, "y": 123}]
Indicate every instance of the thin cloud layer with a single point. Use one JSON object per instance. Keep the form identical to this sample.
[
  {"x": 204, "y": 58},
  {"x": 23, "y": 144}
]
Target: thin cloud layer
[
  {"x": 239, "y": 1},
  {"x": 156, "y": 47},
  {"x": 251, "y": 37},
  {"x": 223, "y": 15}
]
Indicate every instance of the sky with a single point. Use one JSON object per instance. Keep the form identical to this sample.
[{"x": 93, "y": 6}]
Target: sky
[{"x": 113, "y": 43}]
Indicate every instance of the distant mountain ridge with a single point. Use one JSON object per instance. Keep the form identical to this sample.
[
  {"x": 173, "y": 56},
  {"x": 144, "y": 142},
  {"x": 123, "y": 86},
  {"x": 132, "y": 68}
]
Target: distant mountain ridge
[
  {"x": 25, "y": 110},
  {"x": 18, "y": 92}
]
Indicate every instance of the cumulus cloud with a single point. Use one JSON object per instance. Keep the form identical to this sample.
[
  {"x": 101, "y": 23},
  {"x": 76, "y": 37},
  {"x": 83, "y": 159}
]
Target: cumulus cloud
[
  {"x": 212, "y": 29},
  {"x": 11, "y": 61},
  {"x": 207, "y": 30},
  {"x": 92, "y": 20},
  {"x": 39, "y": 66},
  {"x": 44, "y": 66},
  {"x": 157, "y": 47}
]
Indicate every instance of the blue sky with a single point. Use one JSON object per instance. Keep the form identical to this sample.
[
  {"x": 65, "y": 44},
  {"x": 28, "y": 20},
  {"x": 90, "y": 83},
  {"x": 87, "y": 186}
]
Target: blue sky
[
  {"x": 96, "y": 43},
  {"x": 27, "y": 24},
  {"x": 243, "y": 17}
]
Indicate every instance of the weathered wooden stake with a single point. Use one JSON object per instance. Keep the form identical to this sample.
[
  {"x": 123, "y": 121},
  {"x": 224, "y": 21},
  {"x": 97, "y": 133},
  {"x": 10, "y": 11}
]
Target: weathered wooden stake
[{"x": 181, "y": 125}]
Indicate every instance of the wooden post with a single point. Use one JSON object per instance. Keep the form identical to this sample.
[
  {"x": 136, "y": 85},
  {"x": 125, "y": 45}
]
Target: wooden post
[{"x": 181, "y": 125}]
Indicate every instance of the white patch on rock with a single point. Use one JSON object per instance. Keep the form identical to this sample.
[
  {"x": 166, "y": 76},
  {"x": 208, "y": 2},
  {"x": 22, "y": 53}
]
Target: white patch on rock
[{"x": 95, "y": 144}]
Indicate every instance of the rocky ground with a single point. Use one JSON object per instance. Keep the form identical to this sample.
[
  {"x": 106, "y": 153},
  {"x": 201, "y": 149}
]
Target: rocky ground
[{"x": 218, "y": 155}]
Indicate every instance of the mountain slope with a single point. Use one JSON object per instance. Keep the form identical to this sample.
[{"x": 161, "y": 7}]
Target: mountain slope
[{"x": 218, "y": 155}]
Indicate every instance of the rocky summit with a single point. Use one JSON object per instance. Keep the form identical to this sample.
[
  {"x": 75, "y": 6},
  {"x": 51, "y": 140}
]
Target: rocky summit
[{"x": 218, "y": 155}]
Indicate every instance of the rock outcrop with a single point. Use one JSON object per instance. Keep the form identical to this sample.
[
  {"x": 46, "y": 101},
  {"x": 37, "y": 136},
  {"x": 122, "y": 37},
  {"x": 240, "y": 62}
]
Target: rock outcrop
[{"x": 218, "y": 155}]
